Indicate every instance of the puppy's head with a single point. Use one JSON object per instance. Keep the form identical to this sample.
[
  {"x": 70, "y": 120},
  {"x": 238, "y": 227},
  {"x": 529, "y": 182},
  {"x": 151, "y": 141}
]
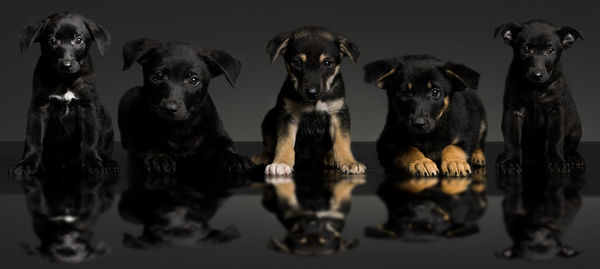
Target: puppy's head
[
  {"x": 538, "y": 244},
  {"x": 537, "y": 46},
  {"x": 420, "y": 88},
  {"x": 312, "y": 237},
  {"x": 176, "y": 75},
  {"x": 312, "y": 57},
  {"x": 65, "y": 39}
]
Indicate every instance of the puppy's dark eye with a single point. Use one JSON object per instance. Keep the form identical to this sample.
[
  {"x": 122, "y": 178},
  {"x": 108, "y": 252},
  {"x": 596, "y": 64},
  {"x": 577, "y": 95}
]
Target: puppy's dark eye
[
  {"x": 328, "y": 63},
  {"x": 550, "y": 50},
  {"x": 524, "y": 49},
  {"x": 52, "y": 40},
  {"x": 159, "y": 75},
  {"x": 79, "y": 40},
  {"x": 435, "y": 92},
  {"x": 194, "y": 81},
  {"x": 298, "y": 63}
]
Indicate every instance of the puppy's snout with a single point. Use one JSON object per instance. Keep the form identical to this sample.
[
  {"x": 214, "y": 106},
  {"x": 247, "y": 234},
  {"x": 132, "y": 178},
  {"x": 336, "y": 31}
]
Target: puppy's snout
[
  {"x": 170, "y": 107},
  {"x": 66, "y": 65},
  {"x": 537, "y": 75},
  {"x": 312, "y": 92},
  {"x": 419, "y": 123}
]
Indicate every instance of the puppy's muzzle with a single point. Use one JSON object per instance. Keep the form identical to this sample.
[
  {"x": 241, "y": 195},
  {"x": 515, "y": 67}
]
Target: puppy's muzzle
[{"x": 312, "y": 93}]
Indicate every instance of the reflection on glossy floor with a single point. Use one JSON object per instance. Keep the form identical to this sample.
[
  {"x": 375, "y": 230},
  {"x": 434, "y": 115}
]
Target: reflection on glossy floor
[{"x": 206, "y": 220}]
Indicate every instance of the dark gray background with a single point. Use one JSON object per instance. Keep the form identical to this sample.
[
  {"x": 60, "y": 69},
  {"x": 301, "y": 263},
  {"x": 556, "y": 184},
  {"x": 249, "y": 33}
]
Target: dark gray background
[{"x": 457, "y": 30}]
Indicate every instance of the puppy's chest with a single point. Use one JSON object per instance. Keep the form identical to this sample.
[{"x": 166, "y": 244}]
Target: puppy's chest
[{"x": 62, "y": 102}]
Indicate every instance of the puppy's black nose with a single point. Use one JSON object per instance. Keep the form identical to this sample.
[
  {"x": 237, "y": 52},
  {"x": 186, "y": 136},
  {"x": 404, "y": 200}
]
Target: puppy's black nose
[
  {"x": 66, "y": 65},
  {"x": 170, "y": 107},
  {"x": 537, "y": 75},
  {"x": 419, "y": 123},
  {"x": 311, "y": 93}
]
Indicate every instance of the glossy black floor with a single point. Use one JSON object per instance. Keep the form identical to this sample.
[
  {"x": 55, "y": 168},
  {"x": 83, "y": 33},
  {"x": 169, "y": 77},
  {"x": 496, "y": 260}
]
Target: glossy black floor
[{"x": 375, "y": 220}]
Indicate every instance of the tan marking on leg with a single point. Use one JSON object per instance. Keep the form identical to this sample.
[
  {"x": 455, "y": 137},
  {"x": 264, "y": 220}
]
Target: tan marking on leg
[
  {"x": 446, "y": 104},
  {"x": 416, "y": 163},
  {"x": 478, "y": 157},
  {"x": 342, "y": 153},
  {"x": 342, "y": 192},
  {"x": 284, "y": 151},
  {"x": 262, "y": 158},
  {"x": 454, "y": 161}
]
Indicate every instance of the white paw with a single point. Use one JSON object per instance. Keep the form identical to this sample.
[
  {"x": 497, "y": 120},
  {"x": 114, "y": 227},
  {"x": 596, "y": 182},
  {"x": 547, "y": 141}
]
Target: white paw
[{"x": 278, "y": 169}]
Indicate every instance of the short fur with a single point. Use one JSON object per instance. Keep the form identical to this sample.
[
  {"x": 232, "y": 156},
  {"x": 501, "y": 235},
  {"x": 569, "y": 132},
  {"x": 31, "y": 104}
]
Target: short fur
[
  {"x": 171, "y": 118},
  {"x": 67, "y": 125},
  {"x": 435, "y": 121},
  {"x": 540, "y": 122},
  {"x": 310, "y": 120}
]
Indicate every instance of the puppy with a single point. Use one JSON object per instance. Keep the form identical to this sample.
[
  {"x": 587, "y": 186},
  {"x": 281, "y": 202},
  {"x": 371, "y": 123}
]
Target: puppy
[
  {"x": 64, "y": 210},
  {"x": 538, "y": 208},
  {"x": 540, "y": 120},
  {"x": 310, "y": 120},
  {"x": 429, "y": 209},
  {"x": 172, "y": 117},
  {"x": 432, "y": 117},
  {"x": 67, "y": 124},
  {"x": 313, "y": 209}
]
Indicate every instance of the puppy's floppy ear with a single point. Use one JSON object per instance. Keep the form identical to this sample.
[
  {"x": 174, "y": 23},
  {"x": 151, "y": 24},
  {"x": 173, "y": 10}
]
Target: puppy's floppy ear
[
  {"x": 221, "y": 62},
  {"x": 277, "y": 45},
  {"x": 507, "y": 31},
  {"x": 30, "y": 34},
  {"x": 349, "y": 244},
  {"x": 136, "y": 49},
  {"x": 462, "y": 77},
  {"x": 568, "y": 35},
  {"x": 100, "y": 35},
  {"x": 349, "y": 49},
  {"x": 379, "y": 232},
  {"x": 378, "y": 71},
  {"x": 277, "y": 246}
]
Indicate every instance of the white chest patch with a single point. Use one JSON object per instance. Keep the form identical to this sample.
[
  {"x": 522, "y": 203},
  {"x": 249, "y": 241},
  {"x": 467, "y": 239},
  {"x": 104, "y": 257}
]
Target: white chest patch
[
  {"x": 331, "y": 107},
  {"x": 67, "y": 97},
  {"x": 66, "y": 218}
]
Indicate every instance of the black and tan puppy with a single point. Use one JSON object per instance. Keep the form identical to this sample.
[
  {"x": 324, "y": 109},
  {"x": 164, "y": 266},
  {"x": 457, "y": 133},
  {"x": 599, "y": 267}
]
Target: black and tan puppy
[
  {"x": 540, "y": 120},
  {"x": 67, "y": 124},
  {"x": 172, "y": 117},
  {"x": 310, "y": 120},
  {"x": 433, "y": 116}
]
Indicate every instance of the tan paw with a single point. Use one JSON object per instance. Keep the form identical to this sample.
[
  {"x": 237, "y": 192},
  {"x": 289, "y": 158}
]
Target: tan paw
[
  {"x": 478, "y": 158},
  {"x": 351, "y": 168},
  {"x": 454, "y": 186},
  {"x": 423, "y": 167},
  {"x": 278, "y": 169},
  {"x": 455, "y": 167}
]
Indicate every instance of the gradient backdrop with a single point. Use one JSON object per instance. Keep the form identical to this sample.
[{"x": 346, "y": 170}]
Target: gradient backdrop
[{"x": 458, "y": 30}]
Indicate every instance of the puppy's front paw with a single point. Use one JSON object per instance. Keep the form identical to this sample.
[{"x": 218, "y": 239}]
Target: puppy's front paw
[
  {"x": 557, "y": 165},
  {"x": 478, "y": 158},
  {"x": 236, "y": 164},
  {"x": 278, "y": 169},
  {"x": 25, "y": 167},
  {"x": 455, "y": 167},
  {"x": 160, "y": 164},
  {"x": 576, "y": 162},
  {"x": 111, "y": 167},
  {"x": 352, "y": 168},
  {"x": 423, "y": 167},
  {"x": 508, "y": 165}
]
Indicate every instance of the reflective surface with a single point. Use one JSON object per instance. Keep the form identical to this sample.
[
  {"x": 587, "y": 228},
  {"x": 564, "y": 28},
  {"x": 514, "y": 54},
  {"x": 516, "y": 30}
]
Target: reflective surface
[{"x": 312, "y": 218}]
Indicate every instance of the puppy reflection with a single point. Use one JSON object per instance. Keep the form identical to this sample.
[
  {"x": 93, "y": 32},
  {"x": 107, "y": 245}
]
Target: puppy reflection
[
  {"x": 175, "y": 212},
  {"x": 538, "y": 209},
  {"x": 427, "y": 209},
  {"x": 313, "y": 209},
  {"x": 64, "y": 210}
]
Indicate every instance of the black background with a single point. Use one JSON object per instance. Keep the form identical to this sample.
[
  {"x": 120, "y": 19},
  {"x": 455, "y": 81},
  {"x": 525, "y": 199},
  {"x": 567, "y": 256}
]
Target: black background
[{"x": 458, "y": 30}]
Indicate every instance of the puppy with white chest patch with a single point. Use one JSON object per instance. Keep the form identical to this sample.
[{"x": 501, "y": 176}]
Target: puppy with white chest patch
[
  {"x": 310, "y": 120},
  {"x": 67, "y": 124}
]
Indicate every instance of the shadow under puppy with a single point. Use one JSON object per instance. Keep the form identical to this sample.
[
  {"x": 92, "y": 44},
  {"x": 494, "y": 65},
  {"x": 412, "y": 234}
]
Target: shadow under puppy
[
  {"x": 67, "y": 125},
  {"x": 172, "y": 117},
  {"x": 540, "y": 121},
  {"x": 432, "y": 116},
  {"x": 310, "y": 120}
]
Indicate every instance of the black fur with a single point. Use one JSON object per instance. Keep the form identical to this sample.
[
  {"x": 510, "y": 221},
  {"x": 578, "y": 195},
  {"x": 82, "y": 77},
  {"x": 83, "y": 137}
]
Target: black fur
[
  {"x": 540, "y": 121},
  {"x": 67, "y": 125},
  {"x": 414, "y": 108},
  {"x": 312, "y": 57},
  {"x": 171, "y": 117},
  {"x": 538, "y": 208}
]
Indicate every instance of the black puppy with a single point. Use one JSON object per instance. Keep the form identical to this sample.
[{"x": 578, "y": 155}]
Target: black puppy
[
  {"x": 172, "y": 117},
  {"x": 66, "y": 121},
  {"x": 540, "y": 121},
  {"x": 310, "y": 120},
  {"x": 431, "y": 116}
]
